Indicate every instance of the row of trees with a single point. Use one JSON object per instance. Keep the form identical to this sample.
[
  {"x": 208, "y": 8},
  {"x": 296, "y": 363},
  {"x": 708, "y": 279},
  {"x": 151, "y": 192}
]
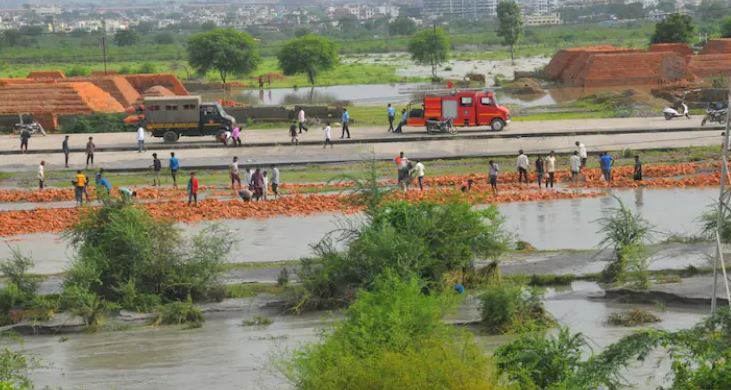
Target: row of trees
[
  {"x": 231, "y": 52},
  {"x": 678, "y": 28}
]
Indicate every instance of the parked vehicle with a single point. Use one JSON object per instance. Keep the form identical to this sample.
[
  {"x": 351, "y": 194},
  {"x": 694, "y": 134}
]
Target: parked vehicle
[
  {"x": 175, "y": 116},
  {"x": 676, "y": 112},
  {"x": 464, "y": 108},
  {"x": 32, "y": 126},
  {"x": 716, "y": 112}
]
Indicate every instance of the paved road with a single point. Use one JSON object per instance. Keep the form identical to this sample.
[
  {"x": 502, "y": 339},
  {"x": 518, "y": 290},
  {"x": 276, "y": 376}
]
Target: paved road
[{"x": 537, "y": 137}]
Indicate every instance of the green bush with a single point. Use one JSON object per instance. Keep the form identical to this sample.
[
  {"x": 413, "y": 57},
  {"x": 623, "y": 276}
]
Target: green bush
[
  {"x": 626, "y": 233},
  {"x": 537, "y": 361},
  {"x": 426, "y": 239},
  {"x": 77, "y": 71},
  {"x": 181, "y": 312},
  {"x": 121, "y": 248},
  {"x": 393, "y": 338},
  {"x": 15, "y": 367},
  {"x": 510, "y": 309},
  {"x": 86, "y": 304},
  {"x": 16, "y": 270}
]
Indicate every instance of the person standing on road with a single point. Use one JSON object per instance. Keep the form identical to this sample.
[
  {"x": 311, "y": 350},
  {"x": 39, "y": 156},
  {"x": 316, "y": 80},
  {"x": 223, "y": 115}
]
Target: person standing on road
[
  {"x": 328, "y": 134},
  {"x": 24, "y": 137},
  {"x": 301, "y": 119},
  {"x": 236, "y": 136},
  {"x": 192, "y": 189},
  {"x": 140, "y": 139},
  {"x": 551, "y": 169},
  {"x": 156, "y": 168},
  {"x": 582, "y": 153},
  {"x": 522, "y": 164},
  {"x": 79, "y": 184},
  {"x": 90, "y": 149},
  {"x": 391, "y": 116},
  {"x": 41, "y": 175},
  {"x": 638, "y": 169},
  {"x": 402, "y": 122},
  {"x": 419, "y": 170},
  {"x": 493, "y": 170},
  {"x": 540, "y": 173},
  {"x": 346, "y": 121},
  {"x": 174, "y": 167},
  {"x": 275, "y": 182},
  {"x": 233, "y": 171},
  {"x": 293, "y": 133},
  {"x": 575, "y": 166},
  {"x": 66, "y": 150},
  {"x": 606, "y": 161}
]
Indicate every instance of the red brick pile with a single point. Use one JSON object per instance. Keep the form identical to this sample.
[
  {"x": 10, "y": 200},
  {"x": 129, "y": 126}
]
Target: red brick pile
[
  {"x": 600, "y": 66},
  {"x": 47, "y": 94}
]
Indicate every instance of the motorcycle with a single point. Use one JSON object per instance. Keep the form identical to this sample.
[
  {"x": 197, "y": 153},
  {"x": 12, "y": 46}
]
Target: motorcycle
[
  {"x": 716, "y": 112},
  {"x": 670, "y": 112},
  {"x": 447, "y": 126}
]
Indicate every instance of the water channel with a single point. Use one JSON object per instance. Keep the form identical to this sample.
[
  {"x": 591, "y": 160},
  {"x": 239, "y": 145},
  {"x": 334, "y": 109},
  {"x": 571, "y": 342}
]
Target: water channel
[
  {"x": 556, "y": 224},
  {"x": 225, "y": 355}
]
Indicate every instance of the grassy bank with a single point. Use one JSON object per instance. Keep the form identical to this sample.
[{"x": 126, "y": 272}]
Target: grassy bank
[{"x": 325, "y": 172}]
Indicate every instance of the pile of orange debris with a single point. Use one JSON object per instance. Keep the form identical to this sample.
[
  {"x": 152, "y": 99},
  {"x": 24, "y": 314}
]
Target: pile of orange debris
[
  {"x": 600, "y": 66},
  {"x": 48, "y": 94}
]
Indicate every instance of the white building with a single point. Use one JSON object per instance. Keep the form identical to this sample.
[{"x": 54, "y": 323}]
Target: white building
[
  {"x": 459, "y": 9},
  {"x": 542, "y": 20}
]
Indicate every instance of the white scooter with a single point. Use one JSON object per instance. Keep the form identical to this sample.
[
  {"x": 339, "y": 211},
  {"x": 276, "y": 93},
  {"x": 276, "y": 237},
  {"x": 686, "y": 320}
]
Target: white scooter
[{"x": 671, "y": 113}]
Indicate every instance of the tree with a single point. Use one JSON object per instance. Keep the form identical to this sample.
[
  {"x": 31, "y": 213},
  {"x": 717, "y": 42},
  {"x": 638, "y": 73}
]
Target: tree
[
  {"x": 225, "y": 50},
  {"x": 711, "y": 10},
  {"x": 726, "y": 27},
  {"x": 11, "y": 37},
  {"x": 429, "y": 47},
  {"x": 126, "y": 38},
  {"x": 402, "y": 26},
  {"x": 675, "y": 28},
  {"x": 510, "y": 26},
  {"x": 309, "y": 54},
  {"x": 164, "y": 38}
]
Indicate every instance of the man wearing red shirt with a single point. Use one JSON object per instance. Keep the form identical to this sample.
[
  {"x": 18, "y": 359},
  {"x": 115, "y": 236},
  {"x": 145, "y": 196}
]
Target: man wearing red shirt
[{"x": 193, "y": 189}]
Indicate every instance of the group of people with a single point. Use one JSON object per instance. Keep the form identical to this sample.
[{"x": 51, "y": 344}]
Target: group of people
[
  {"x": 391, "y": 111},
  {"x": 103, "y": 186},
  {"x": 256, "y": 184},
  {"x": 300, "y": 124},
  {"x": 546, "y": 167},
  {"x": 406, "y": 171}
]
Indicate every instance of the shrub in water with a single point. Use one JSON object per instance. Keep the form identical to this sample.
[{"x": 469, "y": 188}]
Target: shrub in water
[
  {"x": 183, "y": 312},
  {"x": 508, "y": 309},
  {"x": 122, "y": 248},
  {"x": 393, "y": 338},
  {"x": 426, "y": 239}
]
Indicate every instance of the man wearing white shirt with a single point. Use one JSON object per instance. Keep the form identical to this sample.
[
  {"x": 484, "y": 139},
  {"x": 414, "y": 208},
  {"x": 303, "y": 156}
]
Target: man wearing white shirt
[
  {"x": 551, "y": 169},
  {"x": 301, "y": 119},
  {"x": 575, "y": 166},
  {"x": 419, "y": 169},
  {"x": 522, "y": 164},
  {"x": 140, "y": 139},
  {"x": 328, "y": 134},
  {"x": 582, "y": 153},
  {"x": 41, "y": 175}
]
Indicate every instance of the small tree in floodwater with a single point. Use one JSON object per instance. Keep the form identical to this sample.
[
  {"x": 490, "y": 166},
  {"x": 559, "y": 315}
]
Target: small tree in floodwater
[
  {"x": 427, "y": 239},
  {"x": 127, "y": 257},
  {"x": 626, "y": 233}
]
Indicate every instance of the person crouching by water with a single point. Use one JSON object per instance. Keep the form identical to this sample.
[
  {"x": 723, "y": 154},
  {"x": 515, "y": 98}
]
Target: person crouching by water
[{"x": 127, "y": 194}]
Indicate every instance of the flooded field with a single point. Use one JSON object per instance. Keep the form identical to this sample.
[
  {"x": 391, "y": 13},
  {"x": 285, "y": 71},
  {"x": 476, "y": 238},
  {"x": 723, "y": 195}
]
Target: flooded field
[
  {"x": 225, "y": 355},
  {"x": 559, "y": 224}
]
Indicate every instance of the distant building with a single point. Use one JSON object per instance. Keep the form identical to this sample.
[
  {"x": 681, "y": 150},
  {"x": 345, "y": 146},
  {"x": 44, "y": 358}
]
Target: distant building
[
  {"x": 459, "y": 9},
  {"x": 542, "y": 20}
]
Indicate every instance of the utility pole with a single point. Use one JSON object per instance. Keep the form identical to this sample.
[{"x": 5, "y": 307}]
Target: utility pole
[
  {"x": 104, "y": 44},
  {"x": 724, "y": 208}
]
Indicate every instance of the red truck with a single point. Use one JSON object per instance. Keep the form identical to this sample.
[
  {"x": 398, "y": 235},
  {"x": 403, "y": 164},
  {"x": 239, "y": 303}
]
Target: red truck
[{"x": 464, "y": 108}]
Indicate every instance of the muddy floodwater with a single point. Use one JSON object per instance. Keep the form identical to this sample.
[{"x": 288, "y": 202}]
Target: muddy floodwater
[
  {"x": 555, "y": 224},
  {"x": 225, "y": 355}
]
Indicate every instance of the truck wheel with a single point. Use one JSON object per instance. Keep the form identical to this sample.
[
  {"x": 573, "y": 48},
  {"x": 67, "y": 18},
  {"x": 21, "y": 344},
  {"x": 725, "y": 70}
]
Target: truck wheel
[
  {"x": 170, "y": 137},
  {"x": 497, "y": 124}
]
